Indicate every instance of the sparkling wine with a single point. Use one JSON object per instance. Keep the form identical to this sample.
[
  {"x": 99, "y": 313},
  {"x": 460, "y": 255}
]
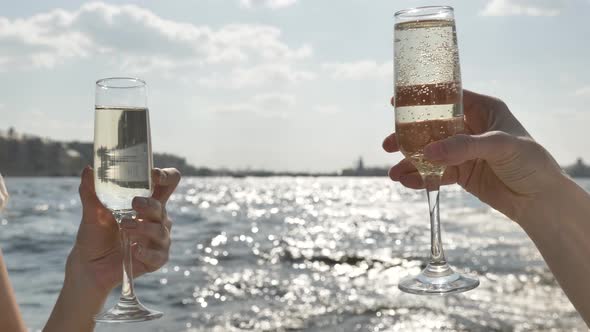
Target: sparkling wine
[
  {"x": 412, "y": 137},
  {"x": 426, "y": 52},
  {"x": 122, "y": 156},
  {"x": 428, "y": 95},
  {"x": 424, "y": 114}
]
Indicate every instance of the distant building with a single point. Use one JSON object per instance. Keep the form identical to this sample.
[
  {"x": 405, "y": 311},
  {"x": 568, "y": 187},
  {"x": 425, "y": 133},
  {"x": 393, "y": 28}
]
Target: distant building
[
  {"x": 578, "y": 170},
  {"x": 360, "y": 168}
]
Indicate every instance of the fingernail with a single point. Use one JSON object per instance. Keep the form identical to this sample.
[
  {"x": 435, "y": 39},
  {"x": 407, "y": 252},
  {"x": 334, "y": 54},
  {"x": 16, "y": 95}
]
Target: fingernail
[
  {"x": 434, "y": 151},
  {"x": 85, "y": 170},
  {"x": 394, "y": 175},
  {"x": 141, "y": 202},
  {"x": 162, "y": 176}
]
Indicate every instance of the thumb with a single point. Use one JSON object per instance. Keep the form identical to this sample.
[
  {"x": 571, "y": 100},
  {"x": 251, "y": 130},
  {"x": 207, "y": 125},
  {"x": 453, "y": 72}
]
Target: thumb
[
  {"x": 86, "y": 189},
  {"x": 492, "y": 146}
]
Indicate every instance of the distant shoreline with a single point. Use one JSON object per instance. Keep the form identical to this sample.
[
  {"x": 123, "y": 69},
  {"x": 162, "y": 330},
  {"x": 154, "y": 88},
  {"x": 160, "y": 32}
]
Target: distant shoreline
[{"x": 23, "y": 155}]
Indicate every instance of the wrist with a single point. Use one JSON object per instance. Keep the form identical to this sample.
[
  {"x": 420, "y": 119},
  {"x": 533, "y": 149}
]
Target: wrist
[
  {"x": 79, "y": 300},
  {"x": 551, "y": 205},
  {"x": 79, "y": 277}
]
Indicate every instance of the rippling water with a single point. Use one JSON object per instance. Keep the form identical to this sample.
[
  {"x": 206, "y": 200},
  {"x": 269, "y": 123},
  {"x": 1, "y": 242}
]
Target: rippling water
[{"x": 299, "y": 254}]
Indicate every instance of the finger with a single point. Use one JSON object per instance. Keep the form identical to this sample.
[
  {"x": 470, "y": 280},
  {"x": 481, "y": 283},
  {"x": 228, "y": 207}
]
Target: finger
[
  {"x": 166, "y": 181},
  {"x": 148, "y": 208},
  {"x": 86, "y": 189},
  {"x": 470, "y": 98},
  {"x": 403, "y": 167},
  {"x": 491, "y": 146},
  {"x": 450, "y": 176},
  {"x": 168, "y": 177},
  {"x": 473, "y": 99},
  {"x": 390, "y": 143},
  {"x": 484, "y": 113},
  {"x": 392, "y": 101},
  {"x": 153, "y": 259},
  {"x": 155, "y": 232},
  {"x": 167, "y": 221},
  {"x": 412, "y": 181}
]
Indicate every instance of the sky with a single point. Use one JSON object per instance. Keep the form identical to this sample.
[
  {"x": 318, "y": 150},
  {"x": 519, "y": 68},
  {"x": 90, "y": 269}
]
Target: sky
[{"x": 283, "y": 84}]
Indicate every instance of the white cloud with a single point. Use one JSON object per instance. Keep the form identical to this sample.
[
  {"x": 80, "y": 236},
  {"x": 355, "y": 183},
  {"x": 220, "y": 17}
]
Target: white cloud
[
  {"x": 274, "y": 100},
  {"x": 137, "y": 39},
  {"x": 269, "y": 73},
  {"x": 523, "y": 8},
  {"x": 40, "y": 121},
  {"x": 359, "y": 70},
  {"x": 274, "y": 4},
  {"x": 327, "y": 109},
  {"x": 266, "y": 105},
  {"x": 257, "y": 76},
  {"x": 583, "y": 91}
]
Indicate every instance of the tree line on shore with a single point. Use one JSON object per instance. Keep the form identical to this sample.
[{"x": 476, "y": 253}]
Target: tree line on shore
[{"x": 27, "y": 155}]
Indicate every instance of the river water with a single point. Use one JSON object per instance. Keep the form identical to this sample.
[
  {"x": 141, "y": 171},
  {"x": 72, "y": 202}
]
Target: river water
[{"x": 298, "y": 254}]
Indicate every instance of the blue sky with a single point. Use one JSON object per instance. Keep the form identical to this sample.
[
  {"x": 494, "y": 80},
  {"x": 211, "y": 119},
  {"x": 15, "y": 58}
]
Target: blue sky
[{"x": 283, "y": 84}]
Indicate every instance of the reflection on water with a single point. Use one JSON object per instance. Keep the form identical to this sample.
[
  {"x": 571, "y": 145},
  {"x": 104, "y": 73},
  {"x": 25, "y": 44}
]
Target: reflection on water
[
  {"x": 309, "y": 254},
  {"x": 122, "y": 147},
  {"x": 127, "y": 167}
]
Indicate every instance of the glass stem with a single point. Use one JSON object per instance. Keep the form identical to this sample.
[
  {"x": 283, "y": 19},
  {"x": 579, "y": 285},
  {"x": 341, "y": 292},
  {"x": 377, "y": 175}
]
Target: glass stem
[
  {"x": 437, "y": 254},
  {"x": 127, "y": 291}
]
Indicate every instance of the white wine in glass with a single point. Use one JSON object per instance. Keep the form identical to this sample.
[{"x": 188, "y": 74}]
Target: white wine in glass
[
  {"x": 122, "y": 170},
  {"x": 428, "y": 108}
]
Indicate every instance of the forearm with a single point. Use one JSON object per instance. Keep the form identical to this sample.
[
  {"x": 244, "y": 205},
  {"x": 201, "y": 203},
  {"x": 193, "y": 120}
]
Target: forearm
[
  {"x": 11, "y": 318},
  {"x": 78, "y": 302},
  {"x": 559, "y": 225}
]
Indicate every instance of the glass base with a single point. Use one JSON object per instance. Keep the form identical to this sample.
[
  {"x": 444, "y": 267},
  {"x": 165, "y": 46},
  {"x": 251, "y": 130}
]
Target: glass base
[
  {"x": 128, "y": 311},
  {"x": 437, "y": 280}
]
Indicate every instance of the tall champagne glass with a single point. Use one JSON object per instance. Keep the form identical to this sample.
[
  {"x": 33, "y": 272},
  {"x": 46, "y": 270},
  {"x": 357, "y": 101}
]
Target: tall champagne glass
[
  {"x": 122, "y": 170},
  {"x": 428, "y": 108}
]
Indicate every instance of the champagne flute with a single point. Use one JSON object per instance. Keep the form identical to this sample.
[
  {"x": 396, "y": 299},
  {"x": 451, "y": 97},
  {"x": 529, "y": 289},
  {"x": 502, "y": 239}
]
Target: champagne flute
[
  {"x": 123, "y": 166},
  {"x": 428, "y": 108}
]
